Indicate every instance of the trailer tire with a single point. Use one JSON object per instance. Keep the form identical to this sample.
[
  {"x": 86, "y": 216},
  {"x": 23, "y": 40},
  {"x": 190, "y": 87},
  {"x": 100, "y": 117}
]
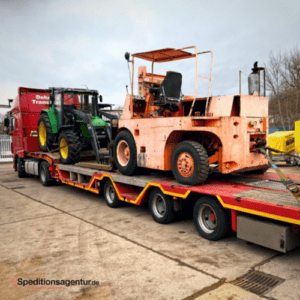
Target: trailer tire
[
  {"x": 125, "y": 153},
  {"x": 21, "y": 168},
  {"x": 210, "y": 218},
  {"x": 161, "y": 207},
  {"x": 190, "y": 163},
  {"x": 70, "y": 141},
  {"x": 45, "y": 175},
  {"x": 45, "y": 135},
  {"x": 110, "y": 195}
]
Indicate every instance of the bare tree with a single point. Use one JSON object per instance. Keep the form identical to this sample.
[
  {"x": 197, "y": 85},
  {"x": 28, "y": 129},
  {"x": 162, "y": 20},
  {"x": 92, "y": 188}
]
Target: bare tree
[{"x": 283, "y": 81}]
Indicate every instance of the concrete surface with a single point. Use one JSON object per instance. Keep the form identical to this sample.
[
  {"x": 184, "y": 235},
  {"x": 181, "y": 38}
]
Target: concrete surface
[{"x": 64, "y": 233}]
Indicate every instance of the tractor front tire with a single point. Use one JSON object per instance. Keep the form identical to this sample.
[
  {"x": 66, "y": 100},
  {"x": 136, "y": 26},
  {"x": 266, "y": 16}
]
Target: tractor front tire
[
  {"x": 69, "y": 147},
  {"x": 125, "y": 153},
  {"x": 190, "y": 163},
  {"x": 45, "y": 134}
]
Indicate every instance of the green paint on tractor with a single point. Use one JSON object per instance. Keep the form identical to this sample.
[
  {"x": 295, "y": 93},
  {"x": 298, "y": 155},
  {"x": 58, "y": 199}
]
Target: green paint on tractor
[
  {"x": 96, "y": 122},
  {"x": 53, "y": 118}
]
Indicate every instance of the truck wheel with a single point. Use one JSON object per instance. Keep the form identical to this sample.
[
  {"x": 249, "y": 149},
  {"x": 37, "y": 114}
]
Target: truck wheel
[
  {"x": 70, "y": 147},
  {"x": 210, "y": 218},
  {"x": 161, "y": 207},
  {"x": 45, "y": 175},
  {"x": 21, "y": 167},
  {"x": 125, "y": 153},
  {"x": 45, "y": 135},
  {"x": 190, "y": 163},
  {"x": 110, "y": 195}
]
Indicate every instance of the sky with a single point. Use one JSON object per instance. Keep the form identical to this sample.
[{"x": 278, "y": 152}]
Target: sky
[{"x": 75, "y": 43}]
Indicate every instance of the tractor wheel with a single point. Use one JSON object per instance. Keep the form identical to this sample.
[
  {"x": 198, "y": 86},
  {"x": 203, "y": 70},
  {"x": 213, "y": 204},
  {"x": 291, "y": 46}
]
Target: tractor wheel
[
  {"x": 125, "y": 153},
  {"x": 110, "y": 195},
  {"x": 45, "y": 134},
  {"x": 190, "y": 163},
  {"x": 69, "y": 147},
  {"x": 161, "y": 207},
  {"x": 21, "y": 167},
  {"x": 211, "y": 220}
]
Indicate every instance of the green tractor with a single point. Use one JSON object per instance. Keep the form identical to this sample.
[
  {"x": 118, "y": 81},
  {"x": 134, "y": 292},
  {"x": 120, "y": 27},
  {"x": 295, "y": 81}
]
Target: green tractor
[{"x": 70, "y": 126}]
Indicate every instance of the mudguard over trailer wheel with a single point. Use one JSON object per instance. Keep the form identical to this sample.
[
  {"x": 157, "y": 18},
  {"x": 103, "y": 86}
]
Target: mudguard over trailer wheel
[
  {"x": 190, "y": 163},
  {"x": 110, "y": 195},
  {"x": 69, "y": 147},
  {"x": 45, "y": 175},
  {"x": 161, "y": 207},
  {"x": 45, "y": 134},
  {"x": 210, "y": 218},
  {"x": 125, "y": 153}
]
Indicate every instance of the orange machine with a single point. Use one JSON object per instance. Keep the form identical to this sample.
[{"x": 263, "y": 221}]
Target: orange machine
[{"x": 164, "y": 130}]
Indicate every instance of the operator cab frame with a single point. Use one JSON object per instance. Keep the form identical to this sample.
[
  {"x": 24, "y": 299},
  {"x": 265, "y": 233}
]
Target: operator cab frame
[{"x": 158, "y": 93}]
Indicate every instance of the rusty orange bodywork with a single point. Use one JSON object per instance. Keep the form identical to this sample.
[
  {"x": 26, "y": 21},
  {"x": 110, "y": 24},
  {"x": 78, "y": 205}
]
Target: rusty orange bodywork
[{"x": 227, "y": 126}]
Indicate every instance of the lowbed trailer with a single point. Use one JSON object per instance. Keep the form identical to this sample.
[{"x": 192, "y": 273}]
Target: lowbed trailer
[{"x": 257, "y": 207}]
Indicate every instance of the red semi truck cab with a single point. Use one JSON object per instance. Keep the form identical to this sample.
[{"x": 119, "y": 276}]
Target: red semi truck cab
[{"x": 25, "y": 112}]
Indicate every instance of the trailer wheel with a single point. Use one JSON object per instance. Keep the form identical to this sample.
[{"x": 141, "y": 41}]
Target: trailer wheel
[
  {"x": 161, "y": 207},
  {"x": 125, "y": 153},
  {"x": 210, "y": 218},
  {"x": 45, "y": 175},
  {"x": 45, "y": 134},
  {"x": 21, "y": 167},
  {"x": 70, "y": 147},
  {"x": 110, "y": 195},
  {"x": 190, "y": 163}
]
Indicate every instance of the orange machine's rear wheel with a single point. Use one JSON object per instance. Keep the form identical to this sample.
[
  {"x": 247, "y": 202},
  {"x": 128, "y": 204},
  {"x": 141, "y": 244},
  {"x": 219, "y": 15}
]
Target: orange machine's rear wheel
[
  {"x": 190, "y": 163},
  {"x": 125, "y": 153},
  {"x": 185, "y": 164}
]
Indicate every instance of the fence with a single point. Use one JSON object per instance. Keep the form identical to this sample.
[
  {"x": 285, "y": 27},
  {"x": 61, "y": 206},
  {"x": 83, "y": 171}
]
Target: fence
[{"x": 5, "y": 148}]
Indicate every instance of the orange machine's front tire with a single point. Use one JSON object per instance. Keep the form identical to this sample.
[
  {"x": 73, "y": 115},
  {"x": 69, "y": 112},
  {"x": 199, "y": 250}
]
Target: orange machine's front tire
[{"x": 125, "y": 153}]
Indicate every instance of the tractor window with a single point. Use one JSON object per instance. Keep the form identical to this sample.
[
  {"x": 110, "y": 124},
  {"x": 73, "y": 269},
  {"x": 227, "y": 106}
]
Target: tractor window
[{"x": 57, "y": 100}]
